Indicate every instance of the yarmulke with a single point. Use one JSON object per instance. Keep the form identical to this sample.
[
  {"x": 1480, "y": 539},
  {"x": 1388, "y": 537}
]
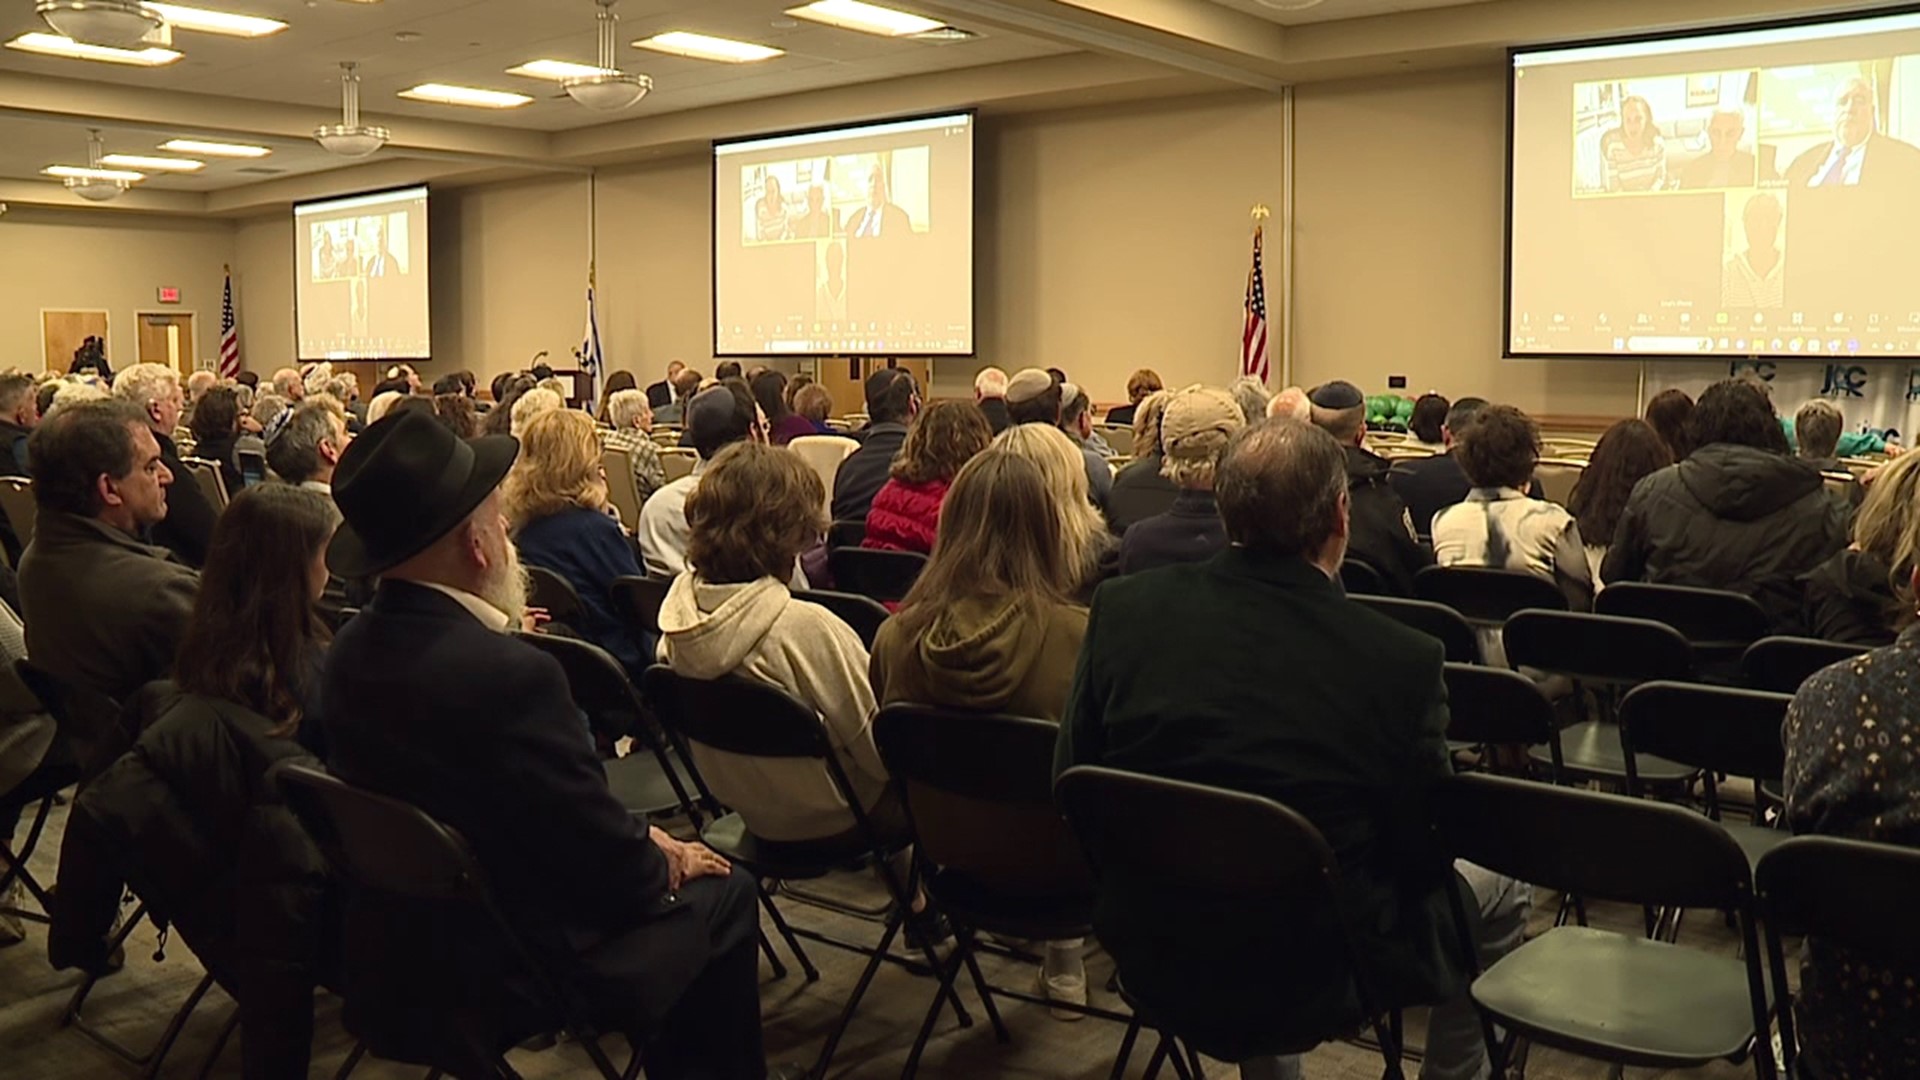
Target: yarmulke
[
  {"x": 1338, "y": 394},
  {"x": 709, "y": 411},
  {"x": 1027, "y": 384},
  {"x": 1197, "y": 422}
]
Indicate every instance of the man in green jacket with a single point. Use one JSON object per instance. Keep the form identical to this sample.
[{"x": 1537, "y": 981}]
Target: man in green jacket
[{"x": 1272, "y": 682}]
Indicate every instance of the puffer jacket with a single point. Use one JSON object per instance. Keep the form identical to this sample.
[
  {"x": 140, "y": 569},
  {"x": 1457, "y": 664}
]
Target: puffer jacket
[
  {"x": 199, "y": 831},
  {"x": 1730, "y": 517},
  {"x": 905, "y": 517}
]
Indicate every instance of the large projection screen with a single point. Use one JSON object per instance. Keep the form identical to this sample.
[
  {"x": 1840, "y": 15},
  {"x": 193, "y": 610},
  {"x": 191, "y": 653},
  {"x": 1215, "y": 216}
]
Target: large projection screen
[
  {"x": 1746, "y": 192},
  {"x": 360, "y": 277},
  {"x": 850, "y": 241}
]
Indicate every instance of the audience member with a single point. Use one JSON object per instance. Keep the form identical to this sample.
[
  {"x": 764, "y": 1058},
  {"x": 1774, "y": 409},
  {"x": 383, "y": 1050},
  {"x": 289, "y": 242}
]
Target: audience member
[
  {"x": 480, "y": 731},
  {"x": 555, "y": 499},
  {"x": 661, "y": 393},
  {"x": 399, "y": 378},
  {"x": 1353, "y": 738},
  {"x": 1194, "y": 428},
  {"x": 686, "y": 383},
  {"x": 813, "y": 402},
  {"x": 1627, "y": 452},
  {"x": 783, "y": 424},
  {"x": 1382, "y": 535},
  {"x": 1057, "y": 376},
  {"x": 531, "y": 404},
  {"x": 1497, "y": 525},
  {"x": 728, "y": 369},
  {"x": 345, "y": 386},
  {"x": 19, "y": 415},
  {"x": 616, "y": 382},
  {"x": 1034, "y": 397},
  {"x": 308, "y": 447},
  {"x": 990, "y": 394},
  {"x": 1738, "y": 513},
  {"x": 384, "y": 402},
  {"x": 44, "y": 393},
  {"x": 1140, "y": 385},
  {"x": 1252, "y": 397},
  {"x": 632, "y": 420},
  {"x": 1140, "y": 489},
  {"x": 892, "y": 402},
  {"x": 906, "y": 511},
  {"x": 1291, "y": 404},
  {"x": 1076, "y": 419},
  {"x": 446, "y": 384},
  {"x": 717, "y": 417},
  {"x": 216, "y": 429},
  {"x": 1816, "y": 428},
  {"x": 1091, "y": 550},
  {"x": 1429, "y": 485},
  {"x": 794, "y": 384},
  {"x": 187, "y": 526},
  {"x": 1851, "y": 597},
  {"x": 1428, "y": 424},
  {"x": 1668, "y": 412},
  {"x": 288, "y": 384},
  {"x": 457, "y": 412},
  {"x": 197, "y": 385}
]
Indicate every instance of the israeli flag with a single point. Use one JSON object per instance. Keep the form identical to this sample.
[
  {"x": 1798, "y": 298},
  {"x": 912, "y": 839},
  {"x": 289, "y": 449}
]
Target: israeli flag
[{"x": 591, "y": 360}]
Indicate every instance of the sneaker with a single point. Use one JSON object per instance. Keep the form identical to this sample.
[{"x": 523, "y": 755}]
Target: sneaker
[
  {"x": 927, "y": 929},
  {"x": 13, "y": 930},
  {"x": 1070, "y": 989}
]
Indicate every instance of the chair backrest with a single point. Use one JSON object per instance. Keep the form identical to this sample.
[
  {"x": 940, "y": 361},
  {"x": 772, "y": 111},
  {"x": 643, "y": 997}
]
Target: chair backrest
[
  {"x": 1605, "y": 650},
  {"x": 1783, "y": 663},
  {"x": 979, "y": 790},
  {"x": 1838, "y": 484},
  {"x": 1359, "y": 578},
  {"x": 554, "y": 593},
  {"x": 621, "y": 489},
  {"x": 1708, "y": 618},
  {"x": 823, "y": 454},
  {"x": 1487, "y": 597},
  {"x": 862, "y": 613},
  {"x": 16, "y": 502},
  {"x": 737, "y": 715},
  {"x": 599, "y": 684},
  {"x": 88, "y": 720},
  {"x": 1717, "y": 728},
  {"x": 1852, "y": 893},
  {"x": 1496, "y": 706},
  {"x": 638, "y": 601},
  {"x": 1606, "y": 847},
  {"x": 1437, "y": 621},
  {"x": 847, "y": 533},
  {"x": 207, "y": 475},
  {"x": 676, "y": 463},
  {"x": 882, "y": 575},
  {"x": 1557, "y": 478},
  {"x": 253, "y": 466},
  {"x": 381, "y": 843}
]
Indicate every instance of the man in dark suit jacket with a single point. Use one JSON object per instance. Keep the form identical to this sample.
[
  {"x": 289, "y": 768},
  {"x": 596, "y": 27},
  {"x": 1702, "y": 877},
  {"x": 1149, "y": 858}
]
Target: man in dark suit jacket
[
  {"x": 661, "y": 393},
  {"x": 880, "y": 217},
  {"x": 892, "y": 402},
  {"x": 1857, "y": 155},
  {"x": 1383, "y": 533},
  {"x": 1431, "y": 484},
  {"x": 1175, "y": 680},
  {"x": 429, "y": 699},
  {"x": 187, "y": 528}
]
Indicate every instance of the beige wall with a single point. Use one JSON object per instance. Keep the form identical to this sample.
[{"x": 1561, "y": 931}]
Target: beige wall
[
  {"x": 263, "y": 292},
  {"x": 1399, "y": 195},
  {"x": 100, "y": 260}
]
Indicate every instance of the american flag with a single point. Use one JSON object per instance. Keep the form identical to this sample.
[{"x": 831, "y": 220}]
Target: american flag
[
  {"x": 229, "y": 335},
  {"x": 1253, "y": 335}
]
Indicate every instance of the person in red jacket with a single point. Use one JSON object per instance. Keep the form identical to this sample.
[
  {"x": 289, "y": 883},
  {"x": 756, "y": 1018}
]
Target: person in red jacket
[{"x": 906, "y": 511}]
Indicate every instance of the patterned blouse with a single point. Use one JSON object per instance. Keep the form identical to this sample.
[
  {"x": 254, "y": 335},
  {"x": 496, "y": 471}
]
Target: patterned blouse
[{"x": 1853, "y": 770}]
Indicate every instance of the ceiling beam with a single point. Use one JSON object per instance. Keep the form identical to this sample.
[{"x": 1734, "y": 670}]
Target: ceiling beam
[{"x": 135, "y": 199}]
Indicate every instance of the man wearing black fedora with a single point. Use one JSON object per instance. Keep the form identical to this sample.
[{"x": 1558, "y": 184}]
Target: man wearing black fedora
[{"x": 429, "y": 699}]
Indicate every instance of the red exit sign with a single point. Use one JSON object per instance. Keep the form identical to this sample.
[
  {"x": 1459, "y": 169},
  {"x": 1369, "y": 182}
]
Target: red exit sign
[{"x": 169, "y": 294}]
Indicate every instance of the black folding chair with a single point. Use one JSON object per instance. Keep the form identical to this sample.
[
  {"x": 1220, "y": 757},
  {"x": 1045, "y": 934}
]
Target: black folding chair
[
  {"x": 33, "y": 796},
  {"x": 1608, "y": 655},
  {"x": 1845, "y": 894},
  {"x": 1625, "y": 1000},
  {"x": 753, "y": 719},
  {"x": 1718, "y": 624},
  {"x": 881, "y": 575},
  {"x": 1485, "y": 597},
  {"x": 1437, "y": 621},
  {"x": 1717, "y": 730},
  {"x": 978, "y": 788},
  {"x": 1359, "y": 578},
  {"x": 1781, "y": 664},
  {"x": 1491, "y": 707},
  {"x": 1220, "y": 845},
  {"x": 637, "y": 600},
  {"x": 388, "y": 846},
  {"x": 847, "y": 533},
  {"x": 861, "y": 613},
  {"x": 555, "y": 594}
]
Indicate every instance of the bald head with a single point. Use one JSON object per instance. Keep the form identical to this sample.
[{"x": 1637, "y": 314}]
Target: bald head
[
  {"x": 1282, "y": 490},
  {"x": 1291, "y": 404},
  {"x": 990, "y": 383}
]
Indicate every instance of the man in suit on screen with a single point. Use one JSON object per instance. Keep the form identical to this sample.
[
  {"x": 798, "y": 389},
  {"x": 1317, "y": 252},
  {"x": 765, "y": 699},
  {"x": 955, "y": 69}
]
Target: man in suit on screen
[
  {"x": 880, "y": 216},
  {"x": 1857, "y": 155}
]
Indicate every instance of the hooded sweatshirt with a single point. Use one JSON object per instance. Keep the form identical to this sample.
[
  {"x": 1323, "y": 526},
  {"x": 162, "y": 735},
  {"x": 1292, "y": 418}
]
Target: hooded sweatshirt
[
  {"x": 985, "y": 654},
  {"x": 1850, "y": 598},
  {"x": 759, "y": 631}
]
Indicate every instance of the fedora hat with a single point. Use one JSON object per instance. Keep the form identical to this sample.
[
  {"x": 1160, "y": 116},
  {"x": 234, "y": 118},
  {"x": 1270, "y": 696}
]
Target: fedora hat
[{"x": 406, "y": 482}]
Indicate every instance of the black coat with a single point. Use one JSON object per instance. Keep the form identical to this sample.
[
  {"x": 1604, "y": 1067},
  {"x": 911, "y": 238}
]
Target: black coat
[
  {"x": 659, "y": 394},
  {"x": 479, "y": 730},
  {"x": 188, "y": 527},
  {"x": 1190, "y": 531},
  {"x": 1850, "y": 598},
  {"x": 1730, "y": 517},
  {"x": 864, "y": 472},
  {"x": 996, "y": 413},
  {"x": 1382, "y": 529},
  {"x": 1429, "y": 485},
  {"x": 1352, "y": 737},
  {"x": 1139, "y": 492}
]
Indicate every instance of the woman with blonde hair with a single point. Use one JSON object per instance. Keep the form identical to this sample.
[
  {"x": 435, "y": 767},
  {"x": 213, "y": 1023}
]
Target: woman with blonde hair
[
  {"x": 1855, "y": 595},
  {"x": 1088, "y": 546},
  {"x": 555, "y": 499},
  {"x": 906, "y": 510}
]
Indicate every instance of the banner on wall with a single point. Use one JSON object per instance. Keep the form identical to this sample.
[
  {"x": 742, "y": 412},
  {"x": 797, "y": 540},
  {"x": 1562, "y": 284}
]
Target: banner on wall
[{"x": 1878, "y": 397}]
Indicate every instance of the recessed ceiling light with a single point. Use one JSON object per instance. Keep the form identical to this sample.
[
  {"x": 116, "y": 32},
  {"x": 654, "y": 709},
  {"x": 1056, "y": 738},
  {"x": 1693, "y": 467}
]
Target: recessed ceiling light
[
  {"x": 448, "y": 94},
  {"x": 866, "y": 18},
  {"x": 217, "y": 22},
  {"x": 557, "y": 70},
  {"x": 81, "y": 172},
  {"x": 214, "y": 149},
  {"x": 67, "y": 48},
  {"x": 707, "y": 47},
  {"x": 153, "y": 164}
]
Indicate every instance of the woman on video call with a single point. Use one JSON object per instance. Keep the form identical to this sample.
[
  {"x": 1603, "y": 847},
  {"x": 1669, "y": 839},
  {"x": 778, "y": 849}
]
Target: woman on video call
[
  {"x": 1636, "y": 158},
  {"x": 770, "y": 212}
]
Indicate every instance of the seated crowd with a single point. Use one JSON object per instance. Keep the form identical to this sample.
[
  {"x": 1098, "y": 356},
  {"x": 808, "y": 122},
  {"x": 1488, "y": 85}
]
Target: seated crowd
[{"x": 1132, "y": 595}]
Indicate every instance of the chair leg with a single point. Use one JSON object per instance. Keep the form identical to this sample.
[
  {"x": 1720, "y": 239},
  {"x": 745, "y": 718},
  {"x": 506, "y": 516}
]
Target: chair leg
[
  {"x": 859, "y": 990},
  {"x": 16, "y": 866},
  {"x": 1126, "y": 1049},
  {"x": 1193, "y": 1063},
  {"x": 158, "y": 1055},
  {"x": 946, "y": 975},
  {"x": 963, "y": 944},
  {"x": 1159, "y": 1058},
  {"x": 590, "y": 1042},
  {"x": 353, "y": 1058},
  {"x": 633, "y": 1065},
  {"x": 1390, "y": 1035},
  {"x": 773, "y": 958},
  {"x": 786, "y": 934},
  {"x": 219, "y": 1044}
]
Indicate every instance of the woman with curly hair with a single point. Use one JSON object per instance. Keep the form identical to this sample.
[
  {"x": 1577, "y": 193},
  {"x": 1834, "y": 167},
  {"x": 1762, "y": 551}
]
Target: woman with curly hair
[
  {"x": 1498, "y": 526},
  {"x": 906, "y": 511}
]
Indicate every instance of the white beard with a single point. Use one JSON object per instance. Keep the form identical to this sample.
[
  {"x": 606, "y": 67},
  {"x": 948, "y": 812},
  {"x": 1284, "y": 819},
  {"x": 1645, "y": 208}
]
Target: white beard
[{"x": 507, "y": 586}]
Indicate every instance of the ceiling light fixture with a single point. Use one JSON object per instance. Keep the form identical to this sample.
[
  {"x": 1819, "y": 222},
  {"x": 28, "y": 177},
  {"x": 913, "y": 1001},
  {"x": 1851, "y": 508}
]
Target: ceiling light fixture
[
  {"x": 474, "y": 96},
  {"x": 611, "y": 89},
  {"x": 152, "y": 164},
  {"x": 866, "y": 18},
  {"x": 708, "y": 47},
  {"x": 69, "y": 49},
  {"x": 214, "y": 149},
  {"x": 113, "y": 23},
  {"x": 217, "y": 22},
  {"x": 350, "y": 138},
  {"x": 94, "y": 183},
  {"x": 82, "y": 172},
  {"x": 557, "y": 70}
]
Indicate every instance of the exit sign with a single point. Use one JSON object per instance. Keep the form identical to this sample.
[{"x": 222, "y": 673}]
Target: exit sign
[{"x": 169, "y": 294}]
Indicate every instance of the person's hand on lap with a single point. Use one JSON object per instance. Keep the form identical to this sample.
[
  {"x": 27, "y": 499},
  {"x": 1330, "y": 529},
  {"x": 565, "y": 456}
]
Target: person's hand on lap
[{"x": 687, "y": 861}]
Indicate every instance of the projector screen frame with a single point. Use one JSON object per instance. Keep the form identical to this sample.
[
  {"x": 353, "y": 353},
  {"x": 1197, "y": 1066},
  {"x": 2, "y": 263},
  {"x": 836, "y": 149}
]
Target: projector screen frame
[
  {"x": 1507, "y": 351},
  {"x": 294, "y": 209},
  {"x": 971, "y": 112}
]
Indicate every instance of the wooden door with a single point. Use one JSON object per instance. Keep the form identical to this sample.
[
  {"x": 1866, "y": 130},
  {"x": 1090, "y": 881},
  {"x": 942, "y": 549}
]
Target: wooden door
[
  {"x": 61, "y": 333},
  {"x": 167, "y": 338},
  {"x": 846, "y": 379}
]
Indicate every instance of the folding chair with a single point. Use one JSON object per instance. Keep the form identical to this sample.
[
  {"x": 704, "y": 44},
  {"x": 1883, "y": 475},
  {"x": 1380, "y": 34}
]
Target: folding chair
[
  {"x": 207, "y": 475},
  {"x": 638, "y": 600},
  {"x": 881, "y": 575},
  {"x": 848, "y": 533},
  {"x": 1485, "y": 597},
  {"x": 1224, "y": 846},
  {"x": 388, "y": 846},
  {"x": 1359, "y": 578},
  {"x": 859, "y": 612},
  {"x": 622, "y": 492},
  {"x": 1781, "y": 664},
  {"x": 1718, "y": 624},
  {"x": 752, "y": 719},
  {"x": 1843, "y": 894},
  {"x": 978, "y": 788},
  {"x": 555, "y": 594},
  {"x": 34, "y": 795},
  {"x": 1491, "y": 707},
  {"x": 16, "y": 502},
  {"x": 1621, "y": 999},
  {"x": 1717, "y": 730},
  {"x": 1437, "y": 621}
]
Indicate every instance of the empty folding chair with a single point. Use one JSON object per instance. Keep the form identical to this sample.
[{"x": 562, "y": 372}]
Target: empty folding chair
[
  {"x": 1718, "y": 624},
  {"x": 861, "y": 613},
  {"x": 1622, "y": 999},
  {"x": 1437, "y": 621},
  {"x": 1782, "y": 663},
  {"x": 1715, "y": 729},
  {"x": 1491, "y": 708},
  {"x": 880, "y": 575}
]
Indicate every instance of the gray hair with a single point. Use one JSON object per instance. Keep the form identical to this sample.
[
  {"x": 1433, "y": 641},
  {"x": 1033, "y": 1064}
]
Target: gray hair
[
  {"x": 200, "y": 382},
  {"x": 1280, "y": 486},
  {"x": 626, "y": 406},
  {"x": 317, "y": 377},
  {"x": 1816, "y": 427},
  {"x": 344, "y": 386},
  {"x": 144, "y": 384},
  {"x": 294, "y": 453},
  {"x": 267, "y": 408},
  {"x": 285, "y": 380},
  {"x": 532, "y": 404},
  {"x": 1251, "y": 395},
  {"x": 74, "y": 393}
]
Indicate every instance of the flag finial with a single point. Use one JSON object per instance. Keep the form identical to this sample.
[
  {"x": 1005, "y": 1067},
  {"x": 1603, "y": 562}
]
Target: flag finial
[{"x": 1260, "y": 213}]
